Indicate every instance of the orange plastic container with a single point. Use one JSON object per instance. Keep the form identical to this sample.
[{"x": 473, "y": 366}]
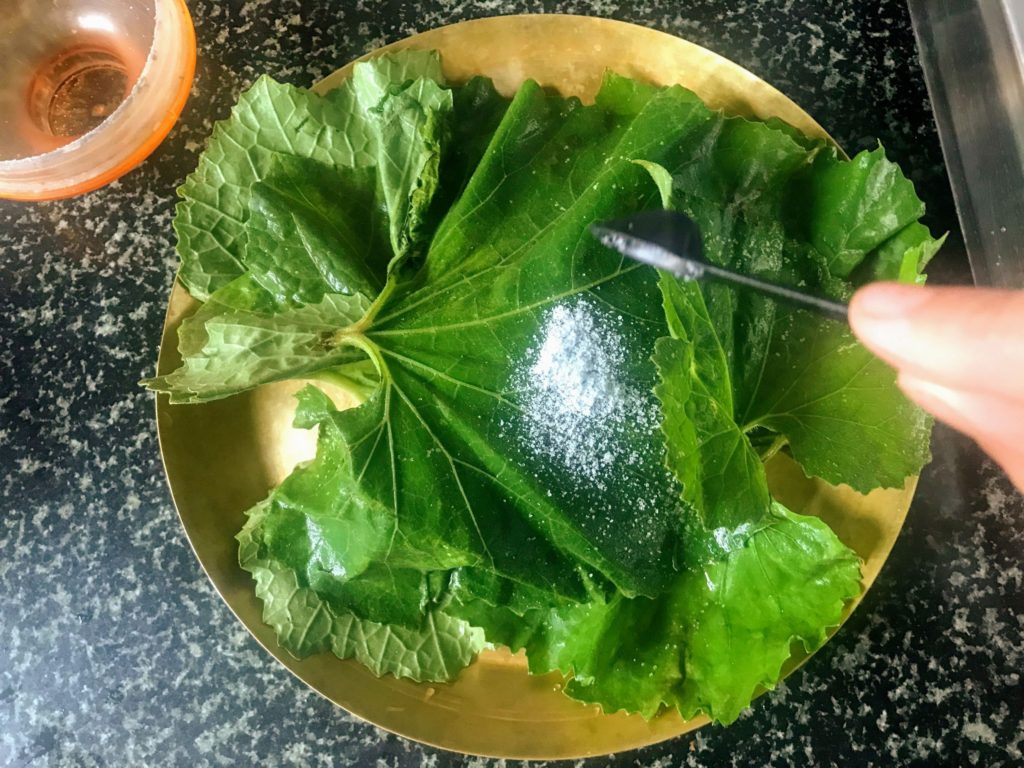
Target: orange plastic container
[{"x": 91, "y": 88}]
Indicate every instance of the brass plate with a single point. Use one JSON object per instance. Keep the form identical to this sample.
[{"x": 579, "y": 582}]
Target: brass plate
[{"x": 223, "y": 457}]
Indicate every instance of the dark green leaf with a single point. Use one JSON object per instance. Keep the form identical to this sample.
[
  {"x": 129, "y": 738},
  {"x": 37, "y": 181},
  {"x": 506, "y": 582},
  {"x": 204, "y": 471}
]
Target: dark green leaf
[{"x": 553, "y": 445}]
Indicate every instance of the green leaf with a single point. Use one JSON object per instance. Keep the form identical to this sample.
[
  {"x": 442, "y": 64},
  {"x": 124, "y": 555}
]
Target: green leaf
[
  {"x": 806, "y": 142},
  {"x": 309, "y": 525},
  {"x": 902, "y": 257},
  {"x": 372, "y": 80},
  {"x": 789, "y": 583},
  {"x": 837, "y": 405},
  {"x": 306, "y": 623},
  {"x": 269, "y": 119},
  {"x": 808, "y": 380},
  {"x": 550, "y": 420},
  {"x": 709, "y": 641},
  {"x": 323, "y": 524},
  {"x": 371, "y": 121},
  {"x": 847, "y": 209},
  {"x": 335, "y": 544},
  {"x": 478, "y": 110},
  {"x": 722, "y": 477},
  {"x": 314, "y": 230},
  {"x": 413, "y": 124},
  {"x": 240, "y": 338},
  {"x": 528, "y": 455}
]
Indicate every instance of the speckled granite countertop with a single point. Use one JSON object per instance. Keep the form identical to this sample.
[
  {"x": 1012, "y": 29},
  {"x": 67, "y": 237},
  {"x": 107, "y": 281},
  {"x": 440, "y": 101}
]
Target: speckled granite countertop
[{"x": 114, "y": 649}]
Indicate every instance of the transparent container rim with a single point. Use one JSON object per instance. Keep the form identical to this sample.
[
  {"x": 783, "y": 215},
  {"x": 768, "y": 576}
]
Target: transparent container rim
[{"x": 117, "y": 145}]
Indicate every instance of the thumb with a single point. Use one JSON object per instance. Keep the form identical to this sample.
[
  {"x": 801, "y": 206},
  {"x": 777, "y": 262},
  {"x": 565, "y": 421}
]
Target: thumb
[
  {"x": 960, "y": 355},
  {"x": 997, "y": 424},
  {"x": 962, "y": 338}
]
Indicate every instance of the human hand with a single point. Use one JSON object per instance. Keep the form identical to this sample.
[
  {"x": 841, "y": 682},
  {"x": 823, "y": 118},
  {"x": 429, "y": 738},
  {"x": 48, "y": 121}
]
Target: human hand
[{"x": 959, "y": 353}]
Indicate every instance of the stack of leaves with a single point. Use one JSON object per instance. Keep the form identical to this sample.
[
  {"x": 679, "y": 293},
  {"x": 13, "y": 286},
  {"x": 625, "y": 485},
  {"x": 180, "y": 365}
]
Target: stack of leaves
[{"x": 556, "y": 450}]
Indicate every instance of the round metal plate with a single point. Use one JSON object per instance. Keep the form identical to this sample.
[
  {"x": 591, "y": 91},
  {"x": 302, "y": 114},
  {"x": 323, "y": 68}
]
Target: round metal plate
[{"x": 223, "y": 457}]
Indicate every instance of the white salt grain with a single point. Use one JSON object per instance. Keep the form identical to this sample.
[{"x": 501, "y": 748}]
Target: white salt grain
[{"x": 576, "y": 409}]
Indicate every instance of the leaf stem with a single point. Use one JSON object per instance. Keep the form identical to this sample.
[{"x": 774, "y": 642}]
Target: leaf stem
[
  {"x": 777, "y": 445},
  {"x": 352, "y": 378},
  {"x": 375, "y": 308}
]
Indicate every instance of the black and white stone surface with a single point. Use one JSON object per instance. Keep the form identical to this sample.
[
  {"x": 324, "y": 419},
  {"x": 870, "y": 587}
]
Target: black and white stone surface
[{"x": 114, "y": 649}]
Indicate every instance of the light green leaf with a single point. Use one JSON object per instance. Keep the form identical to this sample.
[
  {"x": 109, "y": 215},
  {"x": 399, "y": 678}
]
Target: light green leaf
[
  {"x": 306, "y": 623},
  {"x": 372, "y": 120},
  {"x": 372, "y": 80},
  {"x": 239, "y": 339},
  {"x": 723, "y": 479},
  {"x": 789, "y": 583}
]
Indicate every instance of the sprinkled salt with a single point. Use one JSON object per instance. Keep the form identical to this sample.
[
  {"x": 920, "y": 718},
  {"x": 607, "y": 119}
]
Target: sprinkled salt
[{"x": 576, "y": 409}]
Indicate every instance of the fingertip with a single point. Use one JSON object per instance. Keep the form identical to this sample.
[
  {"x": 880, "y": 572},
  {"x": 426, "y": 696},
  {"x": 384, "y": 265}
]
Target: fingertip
[
  {"x": 960, "y": 336},
  {"x": 886, "y": 300},
  {"x": 878, "y": 317},
  {"x": 986, "y": 417}
]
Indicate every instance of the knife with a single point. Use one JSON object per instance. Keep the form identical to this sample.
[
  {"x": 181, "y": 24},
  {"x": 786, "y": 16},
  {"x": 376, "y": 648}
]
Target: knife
[{"x": 672, "y": 242}]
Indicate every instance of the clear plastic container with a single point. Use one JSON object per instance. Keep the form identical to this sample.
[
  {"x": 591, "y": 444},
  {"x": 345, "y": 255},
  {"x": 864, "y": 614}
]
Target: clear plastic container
[{"x": 90, "y": 88}]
